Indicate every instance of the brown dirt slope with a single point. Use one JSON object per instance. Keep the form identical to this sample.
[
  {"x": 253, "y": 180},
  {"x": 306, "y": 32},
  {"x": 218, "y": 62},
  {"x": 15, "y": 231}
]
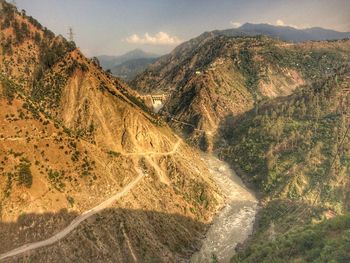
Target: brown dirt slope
[{"x": 71, "y": 136}]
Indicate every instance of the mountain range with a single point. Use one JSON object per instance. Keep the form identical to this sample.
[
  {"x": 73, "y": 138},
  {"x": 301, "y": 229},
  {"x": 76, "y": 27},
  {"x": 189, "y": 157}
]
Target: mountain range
[
  {"x": 89, "y": 173},
  {"x": 286, "y": 33},
  {"x": 278, "y": 112},
  {"x": 128, "y": 65},
  {"x": 212, "y": 76}
]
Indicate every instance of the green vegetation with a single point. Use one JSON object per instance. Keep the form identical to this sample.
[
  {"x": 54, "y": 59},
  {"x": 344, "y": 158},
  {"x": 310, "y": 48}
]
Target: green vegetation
[
  {"x": 296, "y": 151},
  {"x": 56, "y": 178},
  {"x": 289, "y": 144},
  {"x": 314, "y": 64},
  {"x": 8, "y": 188},
  {"x": 328, "y": 241},
  {"x": 48, "y": 84},
  {"x": 49, "y": 90},
  {"x": 250, "y": 70},
  {"x": 8, "y": 89},
  {"x": 25, "y": 175},
  {"x": 70, "y": 201},
  {"x": 113, "y": 154}
]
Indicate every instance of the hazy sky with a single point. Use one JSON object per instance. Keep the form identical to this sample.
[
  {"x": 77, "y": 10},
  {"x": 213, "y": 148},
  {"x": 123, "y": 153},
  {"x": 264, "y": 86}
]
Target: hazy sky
[{"x": 116, "y": 26}]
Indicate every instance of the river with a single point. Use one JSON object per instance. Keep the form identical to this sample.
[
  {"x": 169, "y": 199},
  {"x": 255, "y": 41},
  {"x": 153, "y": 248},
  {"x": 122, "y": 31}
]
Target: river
[{"x": 234, "y": 223}]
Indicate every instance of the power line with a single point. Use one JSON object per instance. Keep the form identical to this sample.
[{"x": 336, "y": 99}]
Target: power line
[{"x": 71, "y": 34}]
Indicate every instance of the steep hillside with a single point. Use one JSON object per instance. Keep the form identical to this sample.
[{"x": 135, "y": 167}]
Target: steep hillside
[
  {"x": 72, "y": 137},
  {"x": 327, "y": 242},
  {"x": 212, "y": 77},
  {"x": 296, "y": 151}
]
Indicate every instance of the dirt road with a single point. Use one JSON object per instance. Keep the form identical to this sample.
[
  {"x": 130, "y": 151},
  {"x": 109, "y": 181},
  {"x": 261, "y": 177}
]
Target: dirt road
[{"x": 75, "y": 223}]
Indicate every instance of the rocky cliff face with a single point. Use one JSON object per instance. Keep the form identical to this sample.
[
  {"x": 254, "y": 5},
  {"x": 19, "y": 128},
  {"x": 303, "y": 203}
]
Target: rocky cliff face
[
  {"x": 71, "y": 136},
  {"x": 212, "y": 77}
]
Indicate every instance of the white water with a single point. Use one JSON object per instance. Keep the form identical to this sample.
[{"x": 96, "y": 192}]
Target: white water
[{"x": 234, "y": 223}]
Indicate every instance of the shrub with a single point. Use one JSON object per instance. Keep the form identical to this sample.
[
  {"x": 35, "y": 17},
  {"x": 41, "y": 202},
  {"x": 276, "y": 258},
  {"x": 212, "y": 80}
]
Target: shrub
[{"x": 25, "y": 176}]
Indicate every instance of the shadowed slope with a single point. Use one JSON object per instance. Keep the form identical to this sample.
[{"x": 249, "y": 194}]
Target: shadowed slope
[{"x": 120, "y": 235}]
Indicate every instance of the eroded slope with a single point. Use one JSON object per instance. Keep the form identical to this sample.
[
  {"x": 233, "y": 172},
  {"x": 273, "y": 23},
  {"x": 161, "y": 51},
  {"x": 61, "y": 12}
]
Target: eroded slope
[{"x": 72, "y": 136}]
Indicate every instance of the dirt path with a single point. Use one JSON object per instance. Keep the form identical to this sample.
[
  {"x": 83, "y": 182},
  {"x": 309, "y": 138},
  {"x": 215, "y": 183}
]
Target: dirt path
[
  {"x": 76, "y": 222},
  {"x": 174, "y": 150}
]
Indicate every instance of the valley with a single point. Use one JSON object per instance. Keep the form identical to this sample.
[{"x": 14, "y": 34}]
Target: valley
[
  {"x": 234, "y": 223},
  {"x": 233, "y": 147}
]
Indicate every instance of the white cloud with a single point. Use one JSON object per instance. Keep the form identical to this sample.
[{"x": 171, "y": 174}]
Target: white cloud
[
  {"x": 235, "y": 24},
  {"x": 161, "y": 38},
  {"x": 280, "y": 22}
]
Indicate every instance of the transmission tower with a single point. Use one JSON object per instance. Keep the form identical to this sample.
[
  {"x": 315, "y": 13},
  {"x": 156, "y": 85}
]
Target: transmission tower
[{"x": 70, "y": 35}]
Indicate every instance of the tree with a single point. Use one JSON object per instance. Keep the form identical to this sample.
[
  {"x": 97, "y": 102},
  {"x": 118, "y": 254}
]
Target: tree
[
  {"x": 302, "y": 109},
  {"x": 25, "y": 175},
  {"x": 37, "y": 37},
  {"x": 214, "y": 258}
]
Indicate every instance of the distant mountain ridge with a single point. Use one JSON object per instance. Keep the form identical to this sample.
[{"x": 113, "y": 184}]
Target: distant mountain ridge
[
  {"x": 128, "y": 70},
  {"x": 285, "y": 33},
  {"x": 130, "y": 64},
  {"x": 108, "y": 62},
  {"x": 215, "y": 74}
]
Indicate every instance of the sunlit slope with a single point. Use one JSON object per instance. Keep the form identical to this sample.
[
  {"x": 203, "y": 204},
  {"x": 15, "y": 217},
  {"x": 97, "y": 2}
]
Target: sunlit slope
[{"x": 71, "y": 136}]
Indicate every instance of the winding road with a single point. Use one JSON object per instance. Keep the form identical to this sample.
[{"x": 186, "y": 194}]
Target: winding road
[
  {"x": 75, "y": 223},
  {"x": 87, "y": 214},
  {"x": 232, "y": 225}
]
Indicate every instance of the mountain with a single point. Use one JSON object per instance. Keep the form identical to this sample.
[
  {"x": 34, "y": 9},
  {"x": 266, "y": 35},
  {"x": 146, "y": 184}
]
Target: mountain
[
  {"x": 311, "y": 243},
  {"x": 85, "y": 163},
  {"x": 213, "y": 76},
  {"x": 296, "y": 152},
  {"x": 127, "y": 66},
  {"x": 278, "y": 112},
  {"x": 109, "y": 62},
  {"x": 128, "y": 70},
  {"x": 285, "y": 33}
]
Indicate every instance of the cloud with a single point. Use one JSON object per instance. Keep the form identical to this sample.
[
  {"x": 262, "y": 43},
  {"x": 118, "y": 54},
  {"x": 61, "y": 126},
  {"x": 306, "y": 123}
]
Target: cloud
[
  {"x": 161, "y": 38},
  {"x": 280, "y": 22},
  {"x": 235, "y": 24}
]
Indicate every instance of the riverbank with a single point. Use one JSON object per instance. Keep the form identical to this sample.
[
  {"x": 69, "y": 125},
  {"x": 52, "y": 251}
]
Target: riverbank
[{"x": 234, "y": 223}]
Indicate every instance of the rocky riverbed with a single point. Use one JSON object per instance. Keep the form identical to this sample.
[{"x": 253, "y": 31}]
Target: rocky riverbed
[{"x": 234, "y": 223}]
